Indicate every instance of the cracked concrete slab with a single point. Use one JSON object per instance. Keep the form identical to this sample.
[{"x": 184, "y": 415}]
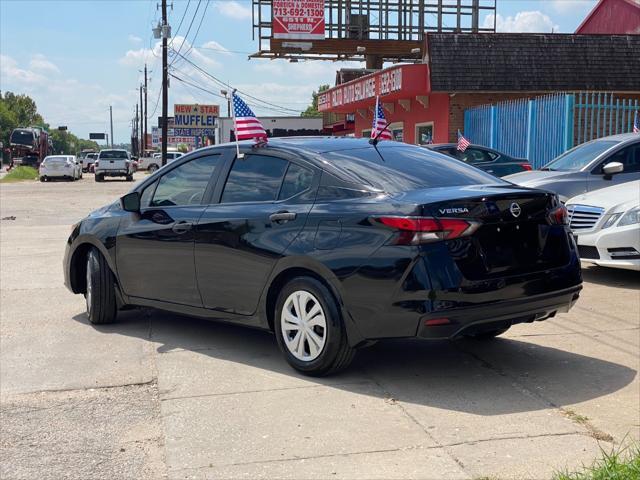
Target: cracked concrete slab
[
  {"x": 88, "y": 434},
  {"x": 409, "y": 463},
  {"x": 265, "y": 426}
]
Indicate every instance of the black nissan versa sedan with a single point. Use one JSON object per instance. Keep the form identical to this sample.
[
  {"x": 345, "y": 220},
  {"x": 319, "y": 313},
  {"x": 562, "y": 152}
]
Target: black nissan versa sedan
[{"x": 331, "y": 243}]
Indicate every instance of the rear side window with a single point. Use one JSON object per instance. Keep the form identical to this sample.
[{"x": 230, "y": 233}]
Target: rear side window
[
  {"x": 296, "y": 181},
  {"x": 186, "y": 184},
  {"x": 400, "y": 168},
  {"x": 254, "y": 178}
]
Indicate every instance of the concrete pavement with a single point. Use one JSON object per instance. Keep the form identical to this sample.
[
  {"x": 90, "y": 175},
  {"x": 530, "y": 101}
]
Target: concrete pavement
[{"x": 160, "y": 395}]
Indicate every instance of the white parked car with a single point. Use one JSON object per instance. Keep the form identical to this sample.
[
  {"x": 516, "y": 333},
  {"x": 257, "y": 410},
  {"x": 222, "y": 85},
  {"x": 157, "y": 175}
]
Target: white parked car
[
  {"x": 60, "y": 166},
  {"x": 607, "y": 225}
]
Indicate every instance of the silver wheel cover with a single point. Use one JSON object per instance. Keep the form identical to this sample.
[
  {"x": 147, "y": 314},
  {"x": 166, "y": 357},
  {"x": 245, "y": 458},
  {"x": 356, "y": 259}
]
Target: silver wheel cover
[{"x": 303, "y": 325}]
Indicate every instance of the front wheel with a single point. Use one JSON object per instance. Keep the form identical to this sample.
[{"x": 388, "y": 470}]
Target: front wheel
[
  {"x": 100, "y": 294},
  {"x": 152, "y": 168},
  {"x": 309, "y": 328},
  {"x": 130, "y": 178}
]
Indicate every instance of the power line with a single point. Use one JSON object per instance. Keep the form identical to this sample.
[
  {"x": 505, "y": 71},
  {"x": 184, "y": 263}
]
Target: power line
[
  {"x": 188, "y": 31},
  {"x": 193, "y": 40}
]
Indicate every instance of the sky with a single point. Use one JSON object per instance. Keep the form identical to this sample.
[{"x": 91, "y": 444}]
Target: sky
[{"x": 76, "y": 58}]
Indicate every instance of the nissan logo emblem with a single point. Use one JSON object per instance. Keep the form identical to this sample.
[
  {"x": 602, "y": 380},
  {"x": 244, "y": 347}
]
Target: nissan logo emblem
[{"x": 515, "y": 209}]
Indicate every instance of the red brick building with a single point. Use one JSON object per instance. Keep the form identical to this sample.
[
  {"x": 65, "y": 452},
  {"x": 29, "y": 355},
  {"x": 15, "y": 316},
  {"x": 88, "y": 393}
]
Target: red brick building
[{"x": 425, "y": 102}]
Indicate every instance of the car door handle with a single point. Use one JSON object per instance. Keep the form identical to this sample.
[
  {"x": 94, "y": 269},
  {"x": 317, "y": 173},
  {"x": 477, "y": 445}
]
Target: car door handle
[
  {"x": 181, "y": 227},
  {"x": 282, "y": 217}
]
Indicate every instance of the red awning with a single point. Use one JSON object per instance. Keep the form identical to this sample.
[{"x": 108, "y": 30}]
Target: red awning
[{"x": 402, "y": 81}]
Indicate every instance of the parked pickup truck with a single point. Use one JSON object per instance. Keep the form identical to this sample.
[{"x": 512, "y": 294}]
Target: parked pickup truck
[
  {"x": 113, "y": 163},
  {"x": 155, "y": 162}
]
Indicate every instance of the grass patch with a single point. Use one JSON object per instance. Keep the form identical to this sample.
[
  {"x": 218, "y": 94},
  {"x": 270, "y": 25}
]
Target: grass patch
[
  {"x": 616, "y": 465},
  {"x": 18, "y": 174}
]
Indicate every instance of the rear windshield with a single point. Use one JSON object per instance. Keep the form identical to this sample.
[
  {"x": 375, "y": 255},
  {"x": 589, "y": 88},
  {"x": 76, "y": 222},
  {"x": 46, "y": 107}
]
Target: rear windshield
[
  {"x": 55, "y": 159},
  {"x": 119, "y": 154},
  {"x": 405, "y": 168},
  {"x": 580, "y": 156}
]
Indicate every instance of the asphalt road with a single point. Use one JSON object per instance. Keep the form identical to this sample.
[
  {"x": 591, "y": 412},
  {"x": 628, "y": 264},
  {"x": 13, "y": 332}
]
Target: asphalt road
[{"x": 158, "y": 395}]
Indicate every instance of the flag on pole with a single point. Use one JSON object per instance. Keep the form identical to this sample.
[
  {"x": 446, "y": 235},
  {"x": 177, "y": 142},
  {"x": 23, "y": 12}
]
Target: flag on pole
[
  {"x": 463, "y": 143},
  {"x": 636, "y": 123},
  {"x": 247, "y": 126},
  {"x": 380, "y": 126}
]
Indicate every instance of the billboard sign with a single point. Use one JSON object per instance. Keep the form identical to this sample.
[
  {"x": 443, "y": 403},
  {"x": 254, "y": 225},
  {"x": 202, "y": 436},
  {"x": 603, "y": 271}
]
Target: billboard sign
[
  {"x": 194, "y": 132},
  {"x": 195, "y": 116},
  {"x": 298, "y": 19}
]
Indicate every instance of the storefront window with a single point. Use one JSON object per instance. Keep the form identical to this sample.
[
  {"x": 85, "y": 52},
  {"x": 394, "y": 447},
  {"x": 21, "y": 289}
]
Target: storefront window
[
  {"x": 398, "y": 131},
  {"x": 424, "y": 133},
  {"x": 366, "y": 133}
]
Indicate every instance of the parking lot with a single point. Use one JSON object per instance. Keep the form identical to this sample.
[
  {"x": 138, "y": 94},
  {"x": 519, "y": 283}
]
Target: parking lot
[{"x": 160, "y": 395}]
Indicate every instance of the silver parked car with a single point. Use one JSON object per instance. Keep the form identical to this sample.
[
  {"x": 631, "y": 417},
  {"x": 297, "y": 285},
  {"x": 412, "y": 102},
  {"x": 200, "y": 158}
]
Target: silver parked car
[{"x": 593, "y": 165}]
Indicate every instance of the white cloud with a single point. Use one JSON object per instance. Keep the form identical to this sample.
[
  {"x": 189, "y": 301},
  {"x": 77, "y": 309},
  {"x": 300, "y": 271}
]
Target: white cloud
[
  {"x": 234, "y": 9},
  {"x": 40, "y": 63},
  {"x": 11, "y": 73},
  {"x": 528, "y": 22},
  {"x": 216, "y": 47},
  {"x": 134, "y": 38}
]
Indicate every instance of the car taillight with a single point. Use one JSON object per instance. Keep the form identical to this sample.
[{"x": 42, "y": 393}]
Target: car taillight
[
  {"x": 417, "y": 230},
  {"x": 527, "y": 167},
  {"x": 559, "y": 216}
]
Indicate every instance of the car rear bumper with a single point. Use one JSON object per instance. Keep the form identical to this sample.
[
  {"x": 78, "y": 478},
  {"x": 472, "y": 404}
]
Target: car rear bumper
[
  {"x": 112, "y": 173},
  {"x": 494, "y": 316}
]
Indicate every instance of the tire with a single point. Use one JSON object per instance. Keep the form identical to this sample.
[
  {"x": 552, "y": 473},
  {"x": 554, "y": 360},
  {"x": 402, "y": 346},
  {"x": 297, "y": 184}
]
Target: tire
[
  {"x": 322, "y": 348},
  {"x": 490, "y": 335},
  {"x": 100, "y": 294},
  {"x": 42, "y": 179},
  {"x": 99, "y": 178},
  {"x": 130, "y": 178},
  {"x": 152, "y": 168}
]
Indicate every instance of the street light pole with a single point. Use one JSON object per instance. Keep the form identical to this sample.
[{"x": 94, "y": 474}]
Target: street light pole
[
  {"x": 165, "y": 84},
  {"x": 146, "y": 112},
  {"x": 111, "y": 122},
  {"x": 142, "y": 112}
]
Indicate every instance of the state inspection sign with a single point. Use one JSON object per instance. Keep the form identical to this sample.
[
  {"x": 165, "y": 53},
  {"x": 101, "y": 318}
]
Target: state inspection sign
[
  {"x": 298, "y": 19},
  {"x": 195, "y": 116}
]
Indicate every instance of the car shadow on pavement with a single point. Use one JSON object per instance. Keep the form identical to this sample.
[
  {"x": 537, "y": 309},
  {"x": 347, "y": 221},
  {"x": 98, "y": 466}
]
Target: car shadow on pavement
[
  {"x": 483, "y": 378},
  {"x": 611, "y": 277}
]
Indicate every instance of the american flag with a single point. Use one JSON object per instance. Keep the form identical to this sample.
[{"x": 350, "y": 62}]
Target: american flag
[
  {"x": 636, "y": 123},
  {"x": 463, "y": 143},
  {"x": 380, "y": 124},
  {"x": 247, "y": 126}
]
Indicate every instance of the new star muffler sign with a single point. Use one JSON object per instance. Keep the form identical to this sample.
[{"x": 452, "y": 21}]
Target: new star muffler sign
[
  {"x": 298, "y": 19},
  {"x": 195, "y": 116}
]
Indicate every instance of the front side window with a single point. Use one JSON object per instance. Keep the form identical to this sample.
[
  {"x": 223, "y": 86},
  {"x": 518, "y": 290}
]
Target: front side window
[
  {"x": 296, "y": 181},
  {"x": 629, "y": 157},
  {"x": 254, "y": 178},
  {"x": 185, "y": 184}
]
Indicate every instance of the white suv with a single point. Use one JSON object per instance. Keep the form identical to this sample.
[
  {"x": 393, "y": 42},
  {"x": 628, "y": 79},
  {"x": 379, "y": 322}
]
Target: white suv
[{"x": 113, "y": 163}]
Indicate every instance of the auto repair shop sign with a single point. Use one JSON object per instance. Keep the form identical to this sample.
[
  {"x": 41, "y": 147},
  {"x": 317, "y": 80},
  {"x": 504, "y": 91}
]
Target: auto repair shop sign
[
  {"x": 298, "y": 19},
  {"x": 195, "y": 116}
]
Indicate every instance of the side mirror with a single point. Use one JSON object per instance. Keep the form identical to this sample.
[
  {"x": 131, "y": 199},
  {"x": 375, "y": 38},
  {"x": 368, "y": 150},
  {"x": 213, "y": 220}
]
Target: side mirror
[
  {"x": 612, "y": 168},
  {"x": 131, "y": 202}
]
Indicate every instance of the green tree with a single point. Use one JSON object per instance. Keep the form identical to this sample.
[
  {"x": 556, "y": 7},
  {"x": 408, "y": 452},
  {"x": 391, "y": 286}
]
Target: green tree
[{"x": 312, "y": 110}]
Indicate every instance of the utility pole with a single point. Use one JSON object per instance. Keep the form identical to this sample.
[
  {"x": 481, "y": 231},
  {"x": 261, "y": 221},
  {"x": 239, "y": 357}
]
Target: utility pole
[
  {"x": 141, "y": 152},
  {"x": 111, "y": 122},
  {"x": 135, "y": 132},
  {"x": 146, "y": 112},
  {"x": 165, "y": 84}
]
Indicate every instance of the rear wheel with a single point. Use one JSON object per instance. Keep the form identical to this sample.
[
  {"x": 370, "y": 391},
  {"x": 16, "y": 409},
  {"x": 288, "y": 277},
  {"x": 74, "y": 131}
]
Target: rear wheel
[
  {"x": 42, "y": 179},
  {"x": 491, "y": 334},
  {"x": 99, "y": 178},
  {"x": 100, "y": 295},
  {"x": 309, "y": 328},
  {"x": 153, "y": 167},
  {"x": 129, "y": 178}
]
